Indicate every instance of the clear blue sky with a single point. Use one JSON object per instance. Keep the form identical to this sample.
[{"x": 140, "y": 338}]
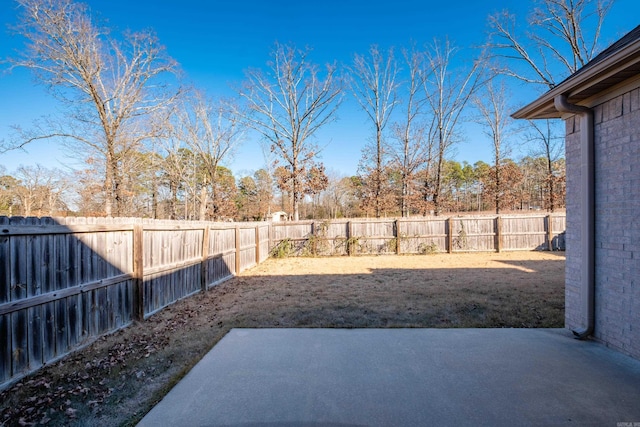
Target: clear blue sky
[{"x": 215, "y": 41}]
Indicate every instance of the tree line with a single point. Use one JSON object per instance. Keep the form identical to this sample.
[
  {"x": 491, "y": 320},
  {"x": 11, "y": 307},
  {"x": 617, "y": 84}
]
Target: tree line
[
  {"x": 38, "y": 191},
  {"x": 154, "y": 147}
]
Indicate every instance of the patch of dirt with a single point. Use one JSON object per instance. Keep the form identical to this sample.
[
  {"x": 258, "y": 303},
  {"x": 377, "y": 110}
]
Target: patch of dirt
[{"x": 119, "y": 377}]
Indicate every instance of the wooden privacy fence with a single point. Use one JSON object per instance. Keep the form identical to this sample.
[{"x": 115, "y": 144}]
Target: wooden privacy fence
[
  {"x": 65, "y": 281},
  {"x": 422, "y": 235}
]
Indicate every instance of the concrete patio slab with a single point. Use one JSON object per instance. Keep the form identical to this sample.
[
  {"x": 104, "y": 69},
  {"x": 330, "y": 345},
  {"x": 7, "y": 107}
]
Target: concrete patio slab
[{"x": 404, "y": 377}]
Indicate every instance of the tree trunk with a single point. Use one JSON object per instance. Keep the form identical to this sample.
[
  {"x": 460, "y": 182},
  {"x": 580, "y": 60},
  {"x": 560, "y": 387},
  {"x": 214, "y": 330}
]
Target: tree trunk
[
  {"x": 203, "y": 203},
  {"x": 108, "y": 186},
  {"x": 438, "y": 184},
  {"x": 404, "y": 207},
  {"x": 378, "y": 174},
  {"x": 117, "y": 189},
  {"x": 498, "y": 185},
  {"x": 173, "y": 199},
  {"x": 550, "y": 184}
]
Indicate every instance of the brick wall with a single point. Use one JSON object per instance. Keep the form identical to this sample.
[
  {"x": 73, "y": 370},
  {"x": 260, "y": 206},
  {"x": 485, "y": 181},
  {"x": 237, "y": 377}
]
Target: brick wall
[
  {"x": 573, "y": 307},
  {"x": 617, "y": 234}
]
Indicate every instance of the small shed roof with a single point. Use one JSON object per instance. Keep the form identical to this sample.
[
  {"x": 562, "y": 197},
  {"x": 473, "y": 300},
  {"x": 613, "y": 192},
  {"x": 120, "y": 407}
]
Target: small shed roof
[{"x": 612, "y": 66}]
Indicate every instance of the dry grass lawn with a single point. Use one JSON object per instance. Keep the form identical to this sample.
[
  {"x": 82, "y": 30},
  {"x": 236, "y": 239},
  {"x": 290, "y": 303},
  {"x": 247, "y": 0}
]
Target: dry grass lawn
[{"x": 116, "y": 380}]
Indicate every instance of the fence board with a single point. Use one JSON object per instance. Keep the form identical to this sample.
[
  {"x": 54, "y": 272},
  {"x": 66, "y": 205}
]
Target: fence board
[
  {"x": 101, "y": 310},
  {"x": 5, "y": 348},
  {"x": 263, "y": 242},
  {"x": 62, "y": 320},
  {"x": 18, "y": 281},
  {"x": 33, "y": 271},
  {"x": 35, "y": 337},
  {"x": 49, "y": 331},
  {"x": 126, "y": 301},
  {"x": 19, "y": 332},
  {"x": 5, "y": 270}
]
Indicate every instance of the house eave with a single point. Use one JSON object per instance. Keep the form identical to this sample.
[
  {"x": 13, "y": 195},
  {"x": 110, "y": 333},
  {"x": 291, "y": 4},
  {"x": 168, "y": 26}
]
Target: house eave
[{"x": 586, "y": 83}]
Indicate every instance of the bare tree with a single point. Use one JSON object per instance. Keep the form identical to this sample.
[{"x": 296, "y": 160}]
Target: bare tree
[
  {"x": 448, "y": 91},
  {"x": 40, "y": 190},
  {"x": 210, "y": 131},
  {"x": 289, "y": 104},
  {"x": 560, "y": 37},
  {"x": 375, "y": 88},
  {"x": 110, "y": 88},
  {"x": 497, "y": 125},
  {"x": 550, "y": 146},
  {"x": 175, "y": 168},
  {"x": 411, "y": 149}
]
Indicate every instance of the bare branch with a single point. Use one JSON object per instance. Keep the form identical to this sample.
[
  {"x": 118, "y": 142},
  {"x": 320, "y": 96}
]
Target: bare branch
[
  {"x": 110, "y": 88},
  {"x": 448, "y": 93},
  {"x": 556, "y": 42},
  {"x": 375, "y": 88},
  {"x": 288, "y": 104}
]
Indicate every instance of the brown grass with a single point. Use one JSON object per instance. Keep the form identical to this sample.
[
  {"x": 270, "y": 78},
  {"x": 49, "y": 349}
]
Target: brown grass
[{"x": 116, "y": 380}]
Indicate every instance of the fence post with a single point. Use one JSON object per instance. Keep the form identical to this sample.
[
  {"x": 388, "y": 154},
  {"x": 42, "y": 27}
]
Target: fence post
[
  {"x": 204, "y": 270},
  {"x": 450, "y": 235},
  {"x": 499, "y": 233},
  {"x": 349, "y": 234},
  {"x": 138, "y": 271},
  {"x": 397, "y": 231},
  {"x": 550, "y": 232}
]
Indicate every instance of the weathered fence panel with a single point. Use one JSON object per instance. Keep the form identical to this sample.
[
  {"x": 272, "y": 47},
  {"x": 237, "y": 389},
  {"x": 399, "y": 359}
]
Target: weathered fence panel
[
  {"x": 172, "y": 265},
  {"x": 522, "y": 233},
  {"x": 65, "y": 281},
  {"x": 330, "y": 238},
  {"x": 221, "y": 261},
  {"x": 471, "y": 234},
  {"x": 56, "y": 293},
  {"x": 556, "y": 232},
  {"x": 296, "y": 233},
  {"x": 247, "y": 247},
  {"x": 374, "y": 237},
  {"x": 423, "y": 235},
  {"x": 263, "y": 242}
]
